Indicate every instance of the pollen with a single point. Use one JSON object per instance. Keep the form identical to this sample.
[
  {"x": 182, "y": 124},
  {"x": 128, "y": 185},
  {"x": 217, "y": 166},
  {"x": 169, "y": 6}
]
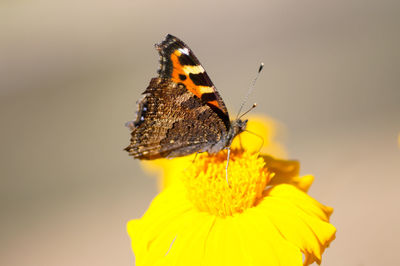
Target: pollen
[{"x": 209, "y": 191}]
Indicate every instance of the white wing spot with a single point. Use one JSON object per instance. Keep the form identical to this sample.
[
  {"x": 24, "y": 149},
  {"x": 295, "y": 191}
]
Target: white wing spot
[
  {"x": 193, "y": 69},
  {"x": 184, "y": 51}
]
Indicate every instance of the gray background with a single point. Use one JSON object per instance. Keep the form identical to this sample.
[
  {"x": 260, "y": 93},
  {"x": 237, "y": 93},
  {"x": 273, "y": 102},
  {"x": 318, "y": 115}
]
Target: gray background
[{"x": 71, "y": 72}]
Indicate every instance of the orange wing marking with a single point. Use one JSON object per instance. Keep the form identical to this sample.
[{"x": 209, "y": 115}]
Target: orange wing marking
[{"x": 179, "y": 69}]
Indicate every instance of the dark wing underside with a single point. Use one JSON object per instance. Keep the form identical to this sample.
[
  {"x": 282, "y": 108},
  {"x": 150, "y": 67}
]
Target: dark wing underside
[{"x": 173, "y": 122}]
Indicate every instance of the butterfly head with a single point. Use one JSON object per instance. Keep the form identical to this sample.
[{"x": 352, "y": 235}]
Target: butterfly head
[{"x": 237, "y": 127}]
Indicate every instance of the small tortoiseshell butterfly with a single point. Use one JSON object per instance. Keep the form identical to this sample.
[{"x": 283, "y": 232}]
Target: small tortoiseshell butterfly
[{"x": 181, "y": 111}]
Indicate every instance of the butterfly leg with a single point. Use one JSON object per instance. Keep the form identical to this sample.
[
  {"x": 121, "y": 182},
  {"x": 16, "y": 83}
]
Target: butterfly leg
[
  {"x": 195, "y": 156},
  {"x": 227, "y": 164},
  {"x": 240, "y": 141},
  {"x": 194, "y": 159}
]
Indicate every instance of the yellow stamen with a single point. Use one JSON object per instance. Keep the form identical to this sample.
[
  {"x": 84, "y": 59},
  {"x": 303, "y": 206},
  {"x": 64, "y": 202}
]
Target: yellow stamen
[{"x": 207, "y": 187}]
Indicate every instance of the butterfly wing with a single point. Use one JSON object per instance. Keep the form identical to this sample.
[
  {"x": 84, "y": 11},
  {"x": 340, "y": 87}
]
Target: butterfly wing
[
  {"x": 171, "y": 122},
  {"x": 181, "y": 112}
]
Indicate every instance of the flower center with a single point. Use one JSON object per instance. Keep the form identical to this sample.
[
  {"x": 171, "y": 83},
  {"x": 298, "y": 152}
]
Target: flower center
[{"x": 209, "y": 190}]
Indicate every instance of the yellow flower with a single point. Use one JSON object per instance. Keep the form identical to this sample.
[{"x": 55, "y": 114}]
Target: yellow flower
[
  {"x": 262, "y": 217},
  {"x": 265, "y": 142}
]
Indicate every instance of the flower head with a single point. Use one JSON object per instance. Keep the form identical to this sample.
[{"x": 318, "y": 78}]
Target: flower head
[
  {"x": 209, "y": 191},
  {"x": 263, "y": 216}
]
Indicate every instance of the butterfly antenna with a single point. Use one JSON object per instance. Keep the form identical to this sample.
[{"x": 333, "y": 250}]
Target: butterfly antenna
[
  {"x": 251, "y": 108},
  {"x": 250, "y": 90}
]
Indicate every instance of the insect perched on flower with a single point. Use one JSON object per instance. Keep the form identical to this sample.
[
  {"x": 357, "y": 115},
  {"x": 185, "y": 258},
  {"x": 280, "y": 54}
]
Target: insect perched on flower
[
  {"x": 262, "y": 216},
  {"x": 181, "y": 112}
]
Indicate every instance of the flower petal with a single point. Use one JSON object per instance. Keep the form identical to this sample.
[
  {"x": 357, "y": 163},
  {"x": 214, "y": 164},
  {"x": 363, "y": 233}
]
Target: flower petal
[
  {"x": 188, "y": 247},
  {"x": 286, "y": 172},
  {"x": 245, "y": 239},
  {"x": 171, "y": 232},
  {"x": 223, "y": 244},
  {"x": 299, "y": 218},
  {"x": 168, "y": 170},
  {"x": 260, "y": 136},
  {"x": 148, "y": 234}
]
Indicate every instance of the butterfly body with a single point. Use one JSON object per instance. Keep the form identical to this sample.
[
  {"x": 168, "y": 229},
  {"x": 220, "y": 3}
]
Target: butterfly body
[{"x": 181, "y": 111}]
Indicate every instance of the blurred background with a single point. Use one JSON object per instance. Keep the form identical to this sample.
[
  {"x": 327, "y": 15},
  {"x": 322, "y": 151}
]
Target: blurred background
[{"x": 71, "y": 72}]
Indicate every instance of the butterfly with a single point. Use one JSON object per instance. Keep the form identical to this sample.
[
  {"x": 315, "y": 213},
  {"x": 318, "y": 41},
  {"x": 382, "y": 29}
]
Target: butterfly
[{"x": 181, "y": 111}]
